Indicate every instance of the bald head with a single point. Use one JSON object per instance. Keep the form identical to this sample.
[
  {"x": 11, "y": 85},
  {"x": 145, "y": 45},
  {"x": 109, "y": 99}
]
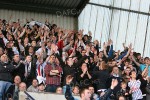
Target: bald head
[{"x": 22, "y": 86}]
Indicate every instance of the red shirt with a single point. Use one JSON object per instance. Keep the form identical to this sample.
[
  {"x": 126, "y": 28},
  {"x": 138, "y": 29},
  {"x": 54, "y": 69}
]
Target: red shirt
[
  {"x": 51, "y": 79},
  {"x": 60, "y": 44}
]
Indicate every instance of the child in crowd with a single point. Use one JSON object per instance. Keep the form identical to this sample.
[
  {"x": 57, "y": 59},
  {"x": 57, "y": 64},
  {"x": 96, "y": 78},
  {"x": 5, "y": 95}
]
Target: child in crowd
[
  {"x": 123, "y": 91},
  {"x": 135, "y": 87},
  {"x": 41, "y": 87},
  {"x": 59, "y": 90},
  {"x": 75, "y": 90}
]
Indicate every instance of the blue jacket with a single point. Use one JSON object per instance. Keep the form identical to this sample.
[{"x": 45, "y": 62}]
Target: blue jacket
[{"x": 68, "y": 94}]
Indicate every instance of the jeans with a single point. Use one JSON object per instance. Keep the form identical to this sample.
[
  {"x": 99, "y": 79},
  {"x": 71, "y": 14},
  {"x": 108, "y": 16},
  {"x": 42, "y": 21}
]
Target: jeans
[
  {"x": 64, "y": 89},
  {"x": 4, "y": 85},
  {"x": 51, "y": 88}
]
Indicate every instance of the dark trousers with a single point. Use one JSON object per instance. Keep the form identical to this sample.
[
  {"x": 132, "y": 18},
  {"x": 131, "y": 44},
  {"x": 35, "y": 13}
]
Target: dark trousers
[
  {"x": 51, "y": 88},
  {"x": 144, "y": 98},
  {"x": 28, "y": 82}
]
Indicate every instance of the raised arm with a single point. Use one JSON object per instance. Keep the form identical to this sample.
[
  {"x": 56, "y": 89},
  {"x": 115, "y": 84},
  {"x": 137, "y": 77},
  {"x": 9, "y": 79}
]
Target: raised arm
[
  {"x": 22, "y": 33},
  {"x": 129, "y": 50},
  {"x": 133, "y": 59},
  {"x": 68, "y": 94},
  {"x": 60, "y": 60},
  {"x": 110, "y": 52},
  {"x": 145, "y": 72},
  {"x": 66, "y": 34},
  {"x": 104, "y": 47},
  {"x": 114, "y": 83},
  {"x": 123, "y": 44}
]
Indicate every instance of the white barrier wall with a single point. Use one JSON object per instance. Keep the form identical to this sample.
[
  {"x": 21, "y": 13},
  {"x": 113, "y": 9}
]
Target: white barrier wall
[{"x": 44, "y": 96}]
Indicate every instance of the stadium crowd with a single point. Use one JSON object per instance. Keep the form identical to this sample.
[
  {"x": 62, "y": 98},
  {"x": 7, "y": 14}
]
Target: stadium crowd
[{"x": 42, "y": 57}]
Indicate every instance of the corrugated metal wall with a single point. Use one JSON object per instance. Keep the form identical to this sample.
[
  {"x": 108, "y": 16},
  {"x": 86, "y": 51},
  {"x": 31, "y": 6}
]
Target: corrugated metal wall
[{"x": 62, "y": 21}]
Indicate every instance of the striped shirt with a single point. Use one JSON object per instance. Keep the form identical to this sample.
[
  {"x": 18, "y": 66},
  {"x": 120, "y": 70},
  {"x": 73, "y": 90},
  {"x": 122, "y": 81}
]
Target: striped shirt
[{"x": 135, "y": 87}]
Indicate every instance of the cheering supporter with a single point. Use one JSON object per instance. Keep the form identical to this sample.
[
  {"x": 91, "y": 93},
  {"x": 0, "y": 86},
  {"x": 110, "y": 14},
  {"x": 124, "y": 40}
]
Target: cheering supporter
[
  {"x": 85, "y": 93},
  {"x": 143, "y": 66},
  {"x": 84, "y": 77},
  {"x": 94, "y": 96},
  {"x": 75, "y": 90},
  {"x": 6, "y": 68},
  {"x": 20, "y": 67},
  {"x": 69, "y": 68},
  {"x": 53, "y": 74},
  {"x": 40, "y": 74},
  {"x": 59, "y": 90},
  {"x": 43, "y": 55},
  {"x": 115, "y": 75},
  {"x": 30, "y": 70},
  {"x": 135, "y": 87},
  {"x": 22, "y": 88},
  {"x": 13, "y": 89},
  {"x": 101, "y": 75},
  {"x": 41, "y": 87},
  {"x": 123, "y": 91},
  {"x": 126, "y": 75}
]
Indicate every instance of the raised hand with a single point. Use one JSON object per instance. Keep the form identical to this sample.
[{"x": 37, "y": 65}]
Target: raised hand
[
  {"x": 110, "y": 42},
  {"x": 114, "y": 83},
  {"x": 69, "y": 79},
  {"x": 82, "y": 31},
  {"x": 65, "y": 31},
  {"x": 123, "y": 44},
  {"x": 130, "y": 46},
  {"x": 105, "y": 45},
  {"x": 54, "y": 48},
  {"x": 46, "y": 20},
  {"x": 71, "y": 42},
  {"x": 90, "y": 33}
]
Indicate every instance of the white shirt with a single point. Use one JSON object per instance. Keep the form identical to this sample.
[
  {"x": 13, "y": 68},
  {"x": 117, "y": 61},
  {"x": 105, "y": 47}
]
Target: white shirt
[{"x": 135, "y": 86}]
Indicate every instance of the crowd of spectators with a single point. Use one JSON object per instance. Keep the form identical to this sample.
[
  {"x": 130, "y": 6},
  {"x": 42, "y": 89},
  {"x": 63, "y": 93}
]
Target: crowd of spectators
[{"x": 38, "y": 57}]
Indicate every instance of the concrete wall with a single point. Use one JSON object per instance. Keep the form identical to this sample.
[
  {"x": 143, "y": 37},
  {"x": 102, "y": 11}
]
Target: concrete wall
[{"x": 44, "y": 96}]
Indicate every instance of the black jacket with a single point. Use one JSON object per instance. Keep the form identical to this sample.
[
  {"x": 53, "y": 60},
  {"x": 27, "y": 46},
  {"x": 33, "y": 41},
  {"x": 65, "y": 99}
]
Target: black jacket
[
  {"x": 101, "y": 77},
  {"x": 2, "y": 44},
  {"x": 67, "y": 70},
  {"x": 32, "y": 74},
  {"x": 10, "y": 52},
  {"x": 122, "y": 93},
  {"x": 143, "y": 83},
  {"x": 118, "y": 87},
  {"x": 107, "y": 95},
  {"x": 6, "y": 70},
  {"x": 19, "y": 70},
  {"x": 84, "y": 81},
  {"x": 11, "y": 93},
  {"x": 68, "y": 94}
]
